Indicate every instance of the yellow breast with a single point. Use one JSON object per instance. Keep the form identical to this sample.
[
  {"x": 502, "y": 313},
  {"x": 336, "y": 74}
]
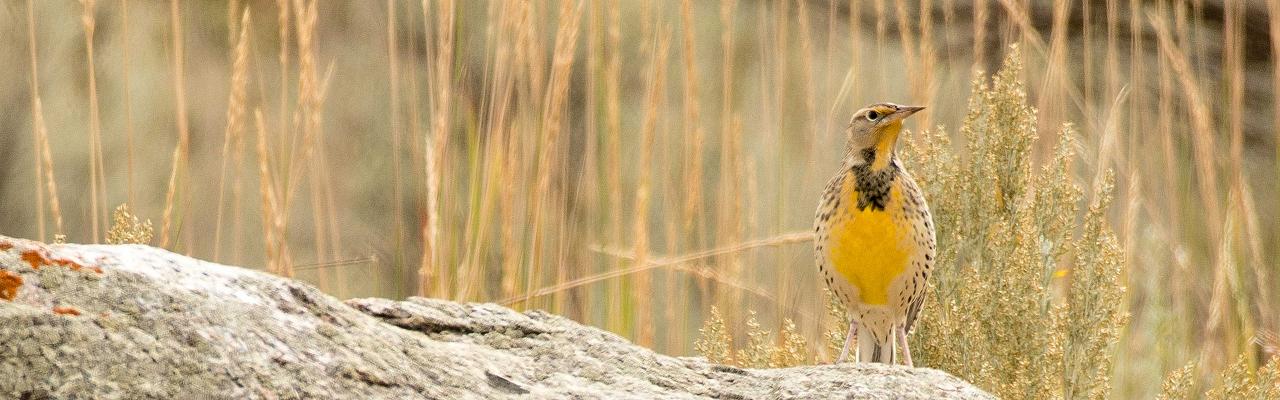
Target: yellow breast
[{"x": 867, "y": 247}]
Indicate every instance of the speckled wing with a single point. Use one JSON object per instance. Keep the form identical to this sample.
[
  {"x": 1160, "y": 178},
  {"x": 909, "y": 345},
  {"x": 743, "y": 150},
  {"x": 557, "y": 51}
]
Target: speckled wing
[{"x": 917, "y": 211}]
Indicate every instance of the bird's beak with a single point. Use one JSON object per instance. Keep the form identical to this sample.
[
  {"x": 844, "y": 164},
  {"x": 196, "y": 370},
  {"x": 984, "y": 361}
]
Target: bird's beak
[{"x": 905, "y": 111}]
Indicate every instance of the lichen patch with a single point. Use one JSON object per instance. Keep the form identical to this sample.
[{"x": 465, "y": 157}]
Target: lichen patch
[
  {"x": 37, "y": 259},
  {"x": 63, "y": 310},
  {"x": 9, "y": 284}
]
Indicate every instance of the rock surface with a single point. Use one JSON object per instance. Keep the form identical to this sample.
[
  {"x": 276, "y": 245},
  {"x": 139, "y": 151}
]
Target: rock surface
[{"x": 96, "y": 321}]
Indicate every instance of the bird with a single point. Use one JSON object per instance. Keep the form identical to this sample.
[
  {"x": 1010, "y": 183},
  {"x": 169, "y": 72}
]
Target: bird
[{"x": 874, "y": 239}]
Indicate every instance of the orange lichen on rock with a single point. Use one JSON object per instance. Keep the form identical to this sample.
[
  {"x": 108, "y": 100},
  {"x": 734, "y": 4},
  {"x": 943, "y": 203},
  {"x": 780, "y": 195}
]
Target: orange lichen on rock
[
  {"x": 9, "y": 284},
  {"x": 34, "y": 258},
  {"x": 74, "y": 266},
  {"x": 66, "y": 310},
  {"x": 38, "y": 259}
]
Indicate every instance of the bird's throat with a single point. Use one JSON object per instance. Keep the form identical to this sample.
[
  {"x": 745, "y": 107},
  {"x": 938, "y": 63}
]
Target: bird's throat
[{"x": 885, "y": 143}]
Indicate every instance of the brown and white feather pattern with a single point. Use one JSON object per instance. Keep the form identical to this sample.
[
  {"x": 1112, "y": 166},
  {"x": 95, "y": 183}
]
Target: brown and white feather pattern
[{"x": 875, "y": 189}]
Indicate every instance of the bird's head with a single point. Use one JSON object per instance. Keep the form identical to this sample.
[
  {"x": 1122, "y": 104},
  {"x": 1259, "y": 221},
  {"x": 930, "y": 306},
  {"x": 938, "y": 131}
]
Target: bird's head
[{"x": 873, "y": 133}]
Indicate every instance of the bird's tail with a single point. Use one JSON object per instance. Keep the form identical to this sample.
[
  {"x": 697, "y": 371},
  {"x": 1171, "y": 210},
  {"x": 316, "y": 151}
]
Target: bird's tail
[{"x": 875, "y": 346}]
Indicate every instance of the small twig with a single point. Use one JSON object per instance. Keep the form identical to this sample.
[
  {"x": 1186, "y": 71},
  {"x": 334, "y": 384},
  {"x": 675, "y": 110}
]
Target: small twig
[
  {"x": 655, "y": 262},
  {"x": 371, "y": 259}
]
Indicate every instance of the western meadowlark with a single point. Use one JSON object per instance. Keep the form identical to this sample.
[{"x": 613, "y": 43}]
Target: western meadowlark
[{"x": 874, "y": 236}]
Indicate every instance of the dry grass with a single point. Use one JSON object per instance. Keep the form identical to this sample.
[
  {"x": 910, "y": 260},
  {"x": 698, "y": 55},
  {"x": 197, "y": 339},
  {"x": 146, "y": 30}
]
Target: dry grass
[
  {"x": 97, "y": 179},
  {"x": 432, "y": 273},
  {"x": 127, "y": 229},
  {"x": 487, "y": 150},
  {"x": 761, "y": 350},
  {"x": 181, "y": 152},
  {"x": 40, "y": 136},
  {"x": 273, "y": 231},
  {"x": 233, "y": 139}
]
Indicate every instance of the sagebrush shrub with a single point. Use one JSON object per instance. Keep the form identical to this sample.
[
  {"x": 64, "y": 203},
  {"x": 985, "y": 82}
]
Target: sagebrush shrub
[{"x": 1027, "y": 298}]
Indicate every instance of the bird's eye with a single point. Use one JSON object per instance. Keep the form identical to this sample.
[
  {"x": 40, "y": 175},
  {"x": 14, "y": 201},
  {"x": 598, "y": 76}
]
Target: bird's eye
[{"x": 873, "y": 115}]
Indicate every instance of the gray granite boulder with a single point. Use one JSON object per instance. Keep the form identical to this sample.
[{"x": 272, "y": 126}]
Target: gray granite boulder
[{"x": 136, "y": 322}]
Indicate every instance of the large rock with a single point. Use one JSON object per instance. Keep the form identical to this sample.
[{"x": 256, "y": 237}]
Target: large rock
[{"x": 81, "y": 321}]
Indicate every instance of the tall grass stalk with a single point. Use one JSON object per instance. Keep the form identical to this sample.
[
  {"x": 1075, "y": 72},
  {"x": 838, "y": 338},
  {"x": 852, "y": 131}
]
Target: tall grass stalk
[
  {"x": 431, "y": 272},
  {"x": 275, "y": 238},
  {"x": 648, "y": 132},
  {"x": 130, "y": 187},
  {"x": 909, "y": 56},
  {"x": 40, "y": 137},
  {"x": 282, "y": 25},
  {"x": 728, "y": 220},
  {"x": 1273, "y": 25},
  {"x": 181, "y": 152},
  {"x": 97, "y": 177},
  {"x": 306, "y": 159},
  {"x": 692, "y": 211},
  {"x": 1220, "y": 323},
  {"x": 555, "y": 125},
  {"x": 928, "y": 85},
  {"x": 1202, "y": 122},
  {"x": 620, "y": 291},
  {"x": 397, "y": 195},
  {"x": 981, "y": 14},
  {"x": 236, "y": 104}
]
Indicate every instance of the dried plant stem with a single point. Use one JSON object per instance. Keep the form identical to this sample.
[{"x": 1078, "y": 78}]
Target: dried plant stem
[
  {"x": 397, "y": 194},
  {"x": 282, "y": 22},
  {"x": 273, "y": 212},
  {"x": 1166, "y": 127},
  {"x": 876, "y": 87},
  {"x": 926, "y": 91},
  {"x": 1234, "y": 46},
  {"x": 417, "y": 148},
  {"x": 648, "y": 132},
  {"x": 311, "y": 94},
  {"x": 551, "y": 158},
  {"x": 692, "y": 215},
  {"x": 618, "y": 291},
  {"x": 980, "y": 15},
  {"x": 727, "y": 215},
  {"x": 692, "y": 221},
  {"x": 35, "y": 120},
  {"x": 591, "y": 179},
  {"x": 855, "y": 51},
  {"x": 177, "y": 174},
  {"x": 431, "y": 272},
  {"x": 97, "y": 179},
  {"x": 907, "y": 37},
  {"x": 1086, "y": 17},
  {"x": 1273, "y": 24},
  {"x": 40, "y": 133},
  {"x": 651, "y": 263},
  {"x": 1112, "y": 71},
  {"x": 1202, "y": 125},
  {"x": 1138, "y": 115},
  {"x": 1054, "y": 81},
  {"x": 498, "y": 121},
  {"x": 808, "y": 91},
  {"x": 1206, "y": 155},
  {"x": 236, "y": 103},
  {"x": 128, "y": 101}
]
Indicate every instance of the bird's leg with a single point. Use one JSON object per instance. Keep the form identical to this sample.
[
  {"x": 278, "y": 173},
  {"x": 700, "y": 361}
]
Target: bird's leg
[
  {"x": 848, "y": 338},
  {"x": 902, "y": 342}
]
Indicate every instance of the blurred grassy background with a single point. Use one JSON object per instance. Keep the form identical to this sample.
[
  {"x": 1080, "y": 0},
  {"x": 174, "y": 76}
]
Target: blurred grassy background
[{"x": 489, "y": 151}]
